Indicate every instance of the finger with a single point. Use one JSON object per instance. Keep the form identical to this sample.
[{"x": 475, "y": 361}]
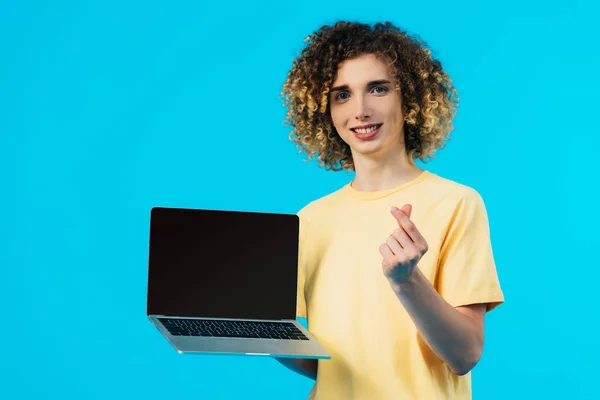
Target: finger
[
  {"x": 387, "y": 254},
  {"x": 402, "y": 237},
  {"x": 404, "y": 222},
  {"x": 411, "y": 230},
  {"x": 400, "y": 216},
  {"x": 407, "y": 209},
  {"x": 409, "y": 227},
  {"x": 394, "y": 245}
]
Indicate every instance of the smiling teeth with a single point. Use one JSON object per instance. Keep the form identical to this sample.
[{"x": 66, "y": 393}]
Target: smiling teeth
[{"x": 365, "y": 131}]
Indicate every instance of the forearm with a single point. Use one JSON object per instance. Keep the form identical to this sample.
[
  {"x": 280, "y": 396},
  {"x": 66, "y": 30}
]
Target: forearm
[
  {"x": 303, "y": 366},
  {"x": 451, "y": 335}
]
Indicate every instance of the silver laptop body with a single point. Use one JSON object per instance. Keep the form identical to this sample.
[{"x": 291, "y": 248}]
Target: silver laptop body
[{"x": 225, "y": 282}]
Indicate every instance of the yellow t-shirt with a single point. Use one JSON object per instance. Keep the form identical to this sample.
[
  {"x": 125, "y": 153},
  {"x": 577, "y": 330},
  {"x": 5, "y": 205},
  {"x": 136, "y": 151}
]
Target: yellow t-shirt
[{"x": 349, "y": 304}]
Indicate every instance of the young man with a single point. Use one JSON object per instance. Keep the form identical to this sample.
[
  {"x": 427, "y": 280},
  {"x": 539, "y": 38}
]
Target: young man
[{"x": 396, "y": 268}]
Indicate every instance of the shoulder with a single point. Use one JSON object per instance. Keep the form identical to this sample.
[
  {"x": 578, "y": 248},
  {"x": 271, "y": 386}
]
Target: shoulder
[
  {"x": 457, "y": 205},
  {"x": 319, "y": 206},
  {"x": 458, "y": 194}
]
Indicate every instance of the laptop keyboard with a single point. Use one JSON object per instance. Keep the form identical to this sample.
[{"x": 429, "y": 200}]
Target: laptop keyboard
[{"x": 232, "y": 329}]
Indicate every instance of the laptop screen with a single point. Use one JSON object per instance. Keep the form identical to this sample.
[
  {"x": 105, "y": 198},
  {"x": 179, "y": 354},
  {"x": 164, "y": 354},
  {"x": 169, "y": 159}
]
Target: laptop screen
[{"x": 222, "y": 264}]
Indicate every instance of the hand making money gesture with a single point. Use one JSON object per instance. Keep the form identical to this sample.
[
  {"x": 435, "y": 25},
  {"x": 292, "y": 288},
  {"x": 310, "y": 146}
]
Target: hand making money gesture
[{"x": 403, "y": 248}]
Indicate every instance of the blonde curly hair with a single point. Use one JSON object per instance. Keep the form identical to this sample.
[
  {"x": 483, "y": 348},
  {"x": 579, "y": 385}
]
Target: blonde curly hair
[{"x": 429, "y": 100}]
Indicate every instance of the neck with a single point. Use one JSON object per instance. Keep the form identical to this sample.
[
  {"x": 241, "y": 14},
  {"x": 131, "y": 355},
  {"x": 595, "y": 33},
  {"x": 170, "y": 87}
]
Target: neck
[{"x": 378, "y": 174}]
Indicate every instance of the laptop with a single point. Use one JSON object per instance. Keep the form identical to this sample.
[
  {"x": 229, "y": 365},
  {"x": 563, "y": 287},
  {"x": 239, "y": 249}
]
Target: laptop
[{"x": 225, "y": 282}]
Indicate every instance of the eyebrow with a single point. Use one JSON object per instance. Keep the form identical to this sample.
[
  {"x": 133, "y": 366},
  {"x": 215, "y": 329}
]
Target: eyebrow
[{"x": 369, "y": 85}]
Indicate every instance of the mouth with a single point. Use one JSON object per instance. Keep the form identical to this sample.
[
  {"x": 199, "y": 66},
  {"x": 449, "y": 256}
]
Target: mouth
[
  {"x": 366, "y": 132},
  {"x": 366, "y": 129}
]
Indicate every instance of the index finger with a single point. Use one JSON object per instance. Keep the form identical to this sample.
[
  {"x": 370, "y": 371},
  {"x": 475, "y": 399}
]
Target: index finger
[
  {"x": 400, "y": 214},
  {"x": 407, "y": 225}
]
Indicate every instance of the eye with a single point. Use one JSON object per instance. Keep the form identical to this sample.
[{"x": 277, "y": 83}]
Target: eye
[
  {"x": 380, "y": 89},
  {"x": 340, "y": 96}
]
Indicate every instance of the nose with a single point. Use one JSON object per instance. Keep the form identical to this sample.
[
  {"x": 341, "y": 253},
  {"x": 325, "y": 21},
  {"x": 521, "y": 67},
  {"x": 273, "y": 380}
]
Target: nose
[{"x": 362, "y": 109}]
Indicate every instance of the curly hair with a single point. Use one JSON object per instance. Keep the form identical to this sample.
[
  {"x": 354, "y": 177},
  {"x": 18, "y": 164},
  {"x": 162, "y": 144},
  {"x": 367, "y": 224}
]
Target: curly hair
[{"x": 429, "y": 100}]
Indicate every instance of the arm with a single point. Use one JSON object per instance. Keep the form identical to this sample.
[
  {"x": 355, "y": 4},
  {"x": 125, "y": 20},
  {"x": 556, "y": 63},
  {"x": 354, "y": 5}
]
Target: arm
[
  {"x": 455, "y": 335},
  {"x": 304, "y": 366}
]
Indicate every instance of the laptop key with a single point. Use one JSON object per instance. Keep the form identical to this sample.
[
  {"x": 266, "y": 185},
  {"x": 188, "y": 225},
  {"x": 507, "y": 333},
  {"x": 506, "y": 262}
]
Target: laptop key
[{"x": 233, "y": 329}]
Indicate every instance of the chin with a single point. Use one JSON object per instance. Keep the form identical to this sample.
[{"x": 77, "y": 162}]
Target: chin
[
  {"x": 368, "y": 149},
  {"x": 376, "y": 149},
  {"x": 368, "y": 146}
]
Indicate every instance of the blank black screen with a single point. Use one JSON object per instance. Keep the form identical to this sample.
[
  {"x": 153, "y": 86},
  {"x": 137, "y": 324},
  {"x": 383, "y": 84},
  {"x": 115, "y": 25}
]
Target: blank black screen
[{"x": 222, "y": 264}]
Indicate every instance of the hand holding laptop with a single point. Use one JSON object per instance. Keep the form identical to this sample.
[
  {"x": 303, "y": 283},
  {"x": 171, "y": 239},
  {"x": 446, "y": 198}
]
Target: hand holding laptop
[{"x": 206, "y": 299}]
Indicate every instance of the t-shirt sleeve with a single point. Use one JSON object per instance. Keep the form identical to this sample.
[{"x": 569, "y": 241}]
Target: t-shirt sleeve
[
  {"x": 467, "y": 270},
  {"x": 302, "y": 259}
]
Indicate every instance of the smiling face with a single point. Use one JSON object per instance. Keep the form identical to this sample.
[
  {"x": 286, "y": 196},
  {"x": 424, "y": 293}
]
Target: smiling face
[{"x": 366, "y": 108}]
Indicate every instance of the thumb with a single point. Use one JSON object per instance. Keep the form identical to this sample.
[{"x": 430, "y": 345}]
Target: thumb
[{"x": 406, "y": 209}]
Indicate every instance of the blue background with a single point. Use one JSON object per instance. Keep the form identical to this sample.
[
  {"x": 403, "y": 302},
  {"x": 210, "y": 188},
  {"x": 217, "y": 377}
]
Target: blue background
[{"x": 109, "y": 108}]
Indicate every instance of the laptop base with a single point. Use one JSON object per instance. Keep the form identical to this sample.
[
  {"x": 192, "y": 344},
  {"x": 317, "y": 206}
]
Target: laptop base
[{"x": 276, "y": 348}]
